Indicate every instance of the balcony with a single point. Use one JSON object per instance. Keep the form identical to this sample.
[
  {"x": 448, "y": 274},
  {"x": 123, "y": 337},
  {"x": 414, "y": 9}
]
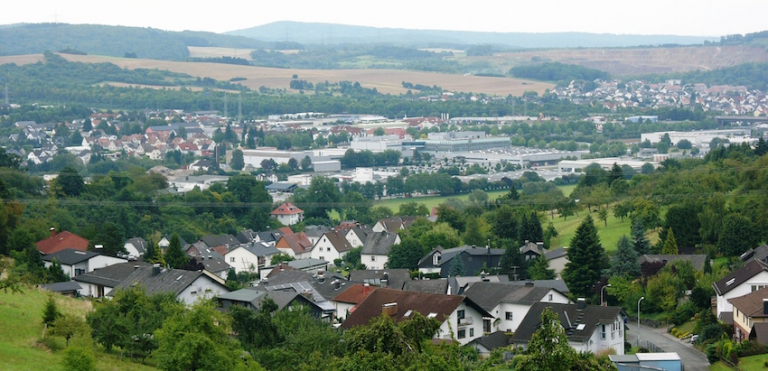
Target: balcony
[{"x": 465, "y": 321}]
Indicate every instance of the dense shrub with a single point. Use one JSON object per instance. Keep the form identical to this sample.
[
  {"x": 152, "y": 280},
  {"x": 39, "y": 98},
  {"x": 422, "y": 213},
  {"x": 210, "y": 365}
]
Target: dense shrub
[{"x": 713, "y": 331}]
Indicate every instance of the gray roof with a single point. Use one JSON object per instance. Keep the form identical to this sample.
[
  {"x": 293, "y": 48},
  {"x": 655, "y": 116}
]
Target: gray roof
[
  {"x": 259, "y": 249},
  {"x": 492, "y": 341},
  {"x": 246, "y": 236},
  {"x": 590, "y": 317},
  {"x": 215, "y": 265},
  {"x": 307, "y": 263},
  {"x": 269, "y": 236},
  {"x": 227, "y": 240},
  {"x": 556, "y": 253},
  {"x": 427, "y": 286},
  {"x": 110, "y": 276},
  {"x": 558, "y": 285},
  {"x": 489, "y": 294},
  {"x": 697, "y": 260},
  {"x": 362, "y": 232},
  {"x": 70, "y": 256},
  {"x": 458, "y": 284},
  {"x": 139, "y": 243},
  {"x": 204, "y": 252},
  {"x": 300, "y": 281},
  {"x": 165, "y": 281},
  {"x": 379, "y": 243},
  {"x": 447, "y": 254},
  {"x": 396, "y": 277},
  {"x": 758, "y": 253},
  {"x": 255, "y": 296},
  {"x": 282, "y": 187},
  {"x": 62, "y": 286},
  {"x": 315, "y": 230}
]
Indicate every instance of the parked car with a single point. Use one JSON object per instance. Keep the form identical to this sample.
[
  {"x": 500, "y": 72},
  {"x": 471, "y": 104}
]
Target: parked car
[{"x": 694, "y": 338}]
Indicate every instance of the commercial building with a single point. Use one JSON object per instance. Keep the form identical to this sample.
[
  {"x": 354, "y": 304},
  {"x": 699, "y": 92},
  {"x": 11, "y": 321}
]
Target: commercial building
[
  {"x": 700, "y": 138},
  {"x": 569, "y": 166},
  {"x": 457, "y": 141}
]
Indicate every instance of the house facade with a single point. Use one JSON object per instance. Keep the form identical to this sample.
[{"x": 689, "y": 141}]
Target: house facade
[
  {"x": 288, "y": 214},
  {"x": 749, "y": 310},
  {"x": 250, "y": 257},
  {"x": 332, "y": 245},
  {"x": 76, "y": 262},
  {"x": 375, "y": 252},
  {"x": 750, "y": 277}
]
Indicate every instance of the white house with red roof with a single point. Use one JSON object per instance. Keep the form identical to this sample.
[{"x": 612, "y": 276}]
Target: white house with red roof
[{"x": 288, "y": 214}]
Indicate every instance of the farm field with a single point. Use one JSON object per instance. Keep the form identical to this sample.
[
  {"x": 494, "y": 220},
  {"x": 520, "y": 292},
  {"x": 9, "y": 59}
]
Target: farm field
[
  {"x": 430, "y": 201},
  {"x": 384, "y": 80},
  {"x": 21, "y": 327}
]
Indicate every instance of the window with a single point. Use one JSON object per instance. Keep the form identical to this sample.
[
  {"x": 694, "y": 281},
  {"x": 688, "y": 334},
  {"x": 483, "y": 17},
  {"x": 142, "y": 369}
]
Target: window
[
  {"x": 322, "y": 258},
  {"x": 487, "y": 326},
  {"x": 460, "y": 314},
  {"x": 232, "y": 259},
  {"x": 508, "y": 315},
  {"x": 602, "y": 336},
  {"x": 550, "y": 297},
  {"x": 436, "y": 259},
  {"x": 472, "y": 332},
  {"x": 373, "y": 258},
  {"x": 462, "y": 334},
  {"x": 79, "y": 271}
]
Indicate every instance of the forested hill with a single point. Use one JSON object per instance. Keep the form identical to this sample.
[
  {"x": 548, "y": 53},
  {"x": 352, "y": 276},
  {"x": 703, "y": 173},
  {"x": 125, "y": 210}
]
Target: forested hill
[
  {"x": 112, "y": 40},
  {"x": 326, "y": 33}
]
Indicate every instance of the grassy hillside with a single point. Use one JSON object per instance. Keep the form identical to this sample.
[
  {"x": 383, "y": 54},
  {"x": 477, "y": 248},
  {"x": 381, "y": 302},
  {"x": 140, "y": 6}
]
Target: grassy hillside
[
  {"x": 21, "y": 328},
  {"x": 745, "y": 364}
]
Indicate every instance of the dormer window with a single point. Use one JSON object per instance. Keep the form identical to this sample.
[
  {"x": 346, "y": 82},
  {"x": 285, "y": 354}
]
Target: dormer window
[{"x": 436, "y": 259}]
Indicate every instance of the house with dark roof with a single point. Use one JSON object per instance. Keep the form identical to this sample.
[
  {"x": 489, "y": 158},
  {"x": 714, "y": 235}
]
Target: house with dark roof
[
  {"x": 531, "y": 250},
  {"x": 228, "y": 241},
  {"x": 457, "y": 285},
  {"x": 510, "y": 304},
  {"x": 60, "y": 241},
  {"x": 558, "y": 285},
  {"x": 136, "y": 247},
  {"x": 589, "y": 328},
  {"x": 187, "y": 286},
  {"x": 750, "y": 277},
  {"x": 216, "y": 266},
  {"x": 427, "y": 286},
  {"x": 357, "y": 235},
  {"x": 375, "y": 253},
  {"x": 297, "y": 245},
  {"x": 490, "y": 342},
  {"x": 394, "y": 224},
  {"x": 321, "y": 287},
  {"x": 758, "y": 253},
  {"x": 250, "y": 257},
  {"x": 76, "y": 262},
  {"x": 330, "y": 246},
  {"x": 70, "y": 288},
  {"x": 346, "y": 301},
  {"x": 697, "y": 260},
  {"x": 166, "y": 241},
  {"x": 101, "y": 281},
  {"x": 759, "y": 333},
  {"x": 439, "y": 260},
  {"x": 288, "y": 214},
  {"x": 391, "y": 278},
  {"x": 557, "y": 259},
  {"x": 314, "y": 232},
  {"x": 247, "y": 236},
  {"x": 252, "y": 298},
  {"x": 456, "y": 313},
  {"x": 749, "y": 310}
]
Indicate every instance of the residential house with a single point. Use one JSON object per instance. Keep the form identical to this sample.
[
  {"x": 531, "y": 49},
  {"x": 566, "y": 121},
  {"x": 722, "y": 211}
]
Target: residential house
[
  {"x": 70, "y": 288},
  {"x": 474, "y": 258},
  {"x": 76, "y": 262},
  {"x": 748, "y": 310},
  {"x": 509, "y": 304},
  {"x": 187, "y": 286},
  {"x": 558, "y": 285},
  {"x": 297, "y": 245},
  {"x": 315, "y": 232},
  {"x": 331, "y": 246},
  {"x": 394, "y": 224},
  {"x": 250, "y": 257},
  {"x": 247, "y": 236},
  {"x": 216, "y": 266},
  {"x": 357, "y": 235},
  {"x": 321, "y": 287},
  {"x": 589, "y": 328},
  {"x": 227, "y": 241},
  {"x": 428, "y": 286},
  {"x": 288, "y": 214},
  {"x": 697, "y": 260},
  {"x": 375, "y": 253},
  {"x": 346, "y": 301},
  {"x": 309, "y": 265},
  {"x": 532, "y": 250},
  {"x": 750, "y": 277},
  {"x": 60, "y": 241},
  {"x": 203, "y": 165},
  {"x": 136, "y": 247},
  {"x": 458, "y": 284},
  {"x": 252, "y": 298},
  {"x": 759, "y": 333},
  {"x": 390, "y": 278},
  {"x": 102, "y": 281},
  {"x": 557, "y": 259},
  {"x": 758, "y": 253},
  {"x": 457, "y": 314},
  {"x": 166, "y": 241},
  {"x": 490, "y": 342}
]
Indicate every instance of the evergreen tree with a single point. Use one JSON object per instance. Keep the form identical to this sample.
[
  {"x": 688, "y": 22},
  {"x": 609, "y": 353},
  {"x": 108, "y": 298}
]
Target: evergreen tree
[
  {"x": 670, "y": 245},
  {"x": 50, "y": 311},
  {"x": 540, "y": 269},
  {"x": 530, "y": 229},
  {"x": 586, "y": 260},
  {"x": 175, "y": 257},
  {"x": 762, "y": 147},
  {"x": 513, "y": 263},
  {"x": 707, "y": 266},
  {"x": 55, "y": 273},
  {"x": 641, "y": 243},
  {"x": 87, "y": 125},
  {"x": 238, "y": 161},
  {"x": 457, "y": 267},
  {"x": 505, "y": 223},
  {"x": 615, "y": 173},
  {"x": 149, "y": 253},
  {"x": 624, "y": 261}
]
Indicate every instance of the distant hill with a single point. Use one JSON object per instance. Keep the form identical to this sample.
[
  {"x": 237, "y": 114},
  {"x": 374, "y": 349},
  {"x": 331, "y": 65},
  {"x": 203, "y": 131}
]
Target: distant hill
[
  {"x": 113, "y": 40},
  {"x": 326, "y": 33}
]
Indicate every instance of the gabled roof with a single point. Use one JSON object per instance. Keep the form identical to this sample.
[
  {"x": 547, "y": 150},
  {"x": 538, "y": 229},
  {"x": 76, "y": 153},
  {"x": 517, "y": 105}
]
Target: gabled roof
[
  {"x": 215, "y": 265},
  {"x": 395, "y": 277},
  {"x": 492, "y": 341},
  {"x": 556, "y": 253},
  {"x": 298, "y": 242},
  {"x": 697, "y": 260},
  {"x": 62, "y": 286},
  {"x": 227, "y": 240},
  {"x": 427, "y": 286},
  {"x": 315, "y": 230},
  {"x": 70, "y": 256},
  {"x": 355, "y": 294},
  {"x": 758, "y": 253},
  {"x": 246, "y": 236},
  {"x": 287, "y": 209},
  {"x": 338, "y": 241},
  {"x": 489, "y": 294},
  {"x": 156, "y": 280},
  {"x": 436, "y": 305},
  {"x": 751, "y": 304},
  {"x": 759, "y": 332},
  {"x": 447, "y": 254},
  {"x": 255, "y": 297},
  {"x": 258, "y": 248},
  {"x": 395, "y": 223},
  {"x": 60, "y": 241},
  {"x": 570, "y": 317},
  {"x": 323, "y": 289},
  {"x": 379, "y": 243},
  {"x": 361, "y": 232},
  {"x": 558, "y": 285},
  {"x": 139, "y": 243},
  {"x": 112, "y": 275},
  {"x": 739, "y": 276}
]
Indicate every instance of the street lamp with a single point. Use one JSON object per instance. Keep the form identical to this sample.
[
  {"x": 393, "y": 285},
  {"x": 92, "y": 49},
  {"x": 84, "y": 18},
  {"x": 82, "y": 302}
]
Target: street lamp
[
  {"x": 638, "y": 320},
  {"x": 602, "y": 291}
]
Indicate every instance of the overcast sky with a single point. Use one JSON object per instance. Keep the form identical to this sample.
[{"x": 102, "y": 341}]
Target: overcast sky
[{"x": 671, "y": 17}]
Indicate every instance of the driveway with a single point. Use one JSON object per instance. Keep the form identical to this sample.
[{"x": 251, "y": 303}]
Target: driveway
[{"x": 693, "y": 359}]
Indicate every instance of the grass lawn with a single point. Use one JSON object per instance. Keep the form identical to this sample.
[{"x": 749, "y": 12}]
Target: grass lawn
[
  {"x": 21, "y": 327},
  {"x": 430, "y": 201},
  {"x": 609, "y": 235},
  {"x": 745, "y": 364}
]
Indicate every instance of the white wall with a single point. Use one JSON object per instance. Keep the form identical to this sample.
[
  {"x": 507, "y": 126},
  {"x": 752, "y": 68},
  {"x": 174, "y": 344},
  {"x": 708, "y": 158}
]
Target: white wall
[
  {"x": 353, "y": 239},
  {"x": 242, "y": 259},
  {"x": 132, "y": 250},
  {"x": 613, "y": 339},
  {"x": 202, "y": 287},
  {"x": 341, "y": 309},
  {"x": 103, "y": 261},
  {"x": 745, "y": 288},
  {"x": 290, "y": 219},
  {"x": 374, "y": 261},
  {"x": 473, "y": 331},
  {"x": 324, "y": 250}
]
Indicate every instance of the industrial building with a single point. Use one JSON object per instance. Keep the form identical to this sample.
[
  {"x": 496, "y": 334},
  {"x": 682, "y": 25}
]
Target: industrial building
[
  {"x": 700, "y": 138},
  {"x": 457, "y": 141},
  {"x": 569, "y": 166}
]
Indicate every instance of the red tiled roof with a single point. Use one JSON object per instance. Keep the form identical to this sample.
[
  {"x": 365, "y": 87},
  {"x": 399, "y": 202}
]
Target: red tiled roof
[
  {"x": 62, "y": 240},
  {"x": 287, "y": 209},
  {"x": 298, "y": 242},
  {"x": 355, "y": 294}
]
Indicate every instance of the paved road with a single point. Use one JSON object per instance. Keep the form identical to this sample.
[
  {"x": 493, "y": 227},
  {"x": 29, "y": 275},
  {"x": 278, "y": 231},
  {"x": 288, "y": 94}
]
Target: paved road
[{"x": 692, "y": 358}]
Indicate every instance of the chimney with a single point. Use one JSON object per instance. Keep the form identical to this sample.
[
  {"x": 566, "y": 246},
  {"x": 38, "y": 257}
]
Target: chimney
[
  {"x": 540, "y": 246},
  {"x": 336, "y": 285},
  {"x": 135, "y": 267},
  {"x": 389, "y": 309},
  {"x": 385, "y": 280},
  {"x": 529, "y": 283},
  {"x": 98, "y": 247},
  {"x": 320, "y": 277},
  {"x": 156, "y": 269},
  {"x": 765, "y": 306},
  {"x": 527, "y": 241},
  {"x": 53, "y": 231},
  {"x": 582, "y": 303}
]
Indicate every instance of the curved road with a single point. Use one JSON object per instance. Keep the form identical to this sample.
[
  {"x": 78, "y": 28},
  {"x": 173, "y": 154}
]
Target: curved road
[{"x": 693, "y": 359}]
